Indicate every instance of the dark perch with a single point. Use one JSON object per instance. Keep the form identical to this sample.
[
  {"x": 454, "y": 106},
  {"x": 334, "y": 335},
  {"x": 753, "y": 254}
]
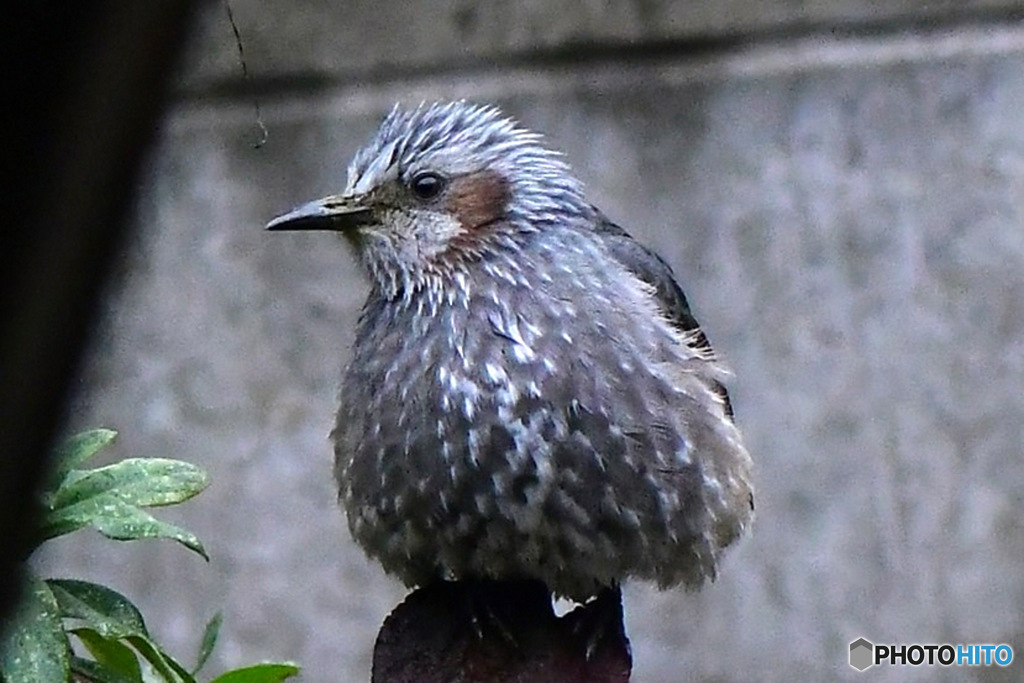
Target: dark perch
[{"x": 500, "y": 632}]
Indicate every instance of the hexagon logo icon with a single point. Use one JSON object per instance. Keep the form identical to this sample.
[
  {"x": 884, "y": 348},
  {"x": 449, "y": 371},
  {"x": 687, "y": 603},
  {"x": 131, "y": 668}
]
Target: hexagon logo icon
[{"x": 861, "y": 654}]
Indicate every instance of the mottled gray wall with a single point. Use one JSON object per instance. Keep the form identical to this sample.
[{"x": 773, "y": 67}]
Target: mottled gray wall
[{"x": 840, "y": 187}]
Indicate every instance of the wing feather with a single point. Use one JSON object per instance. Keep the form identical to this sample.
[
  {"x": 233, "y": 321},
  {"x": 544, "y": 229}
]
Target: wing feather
[{"x": 654, "y": 271}]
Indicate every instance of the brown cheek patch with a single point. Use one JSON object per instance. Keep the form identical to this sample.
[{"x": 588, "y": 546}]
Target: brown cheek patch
[{"x": 477, "y": 199}]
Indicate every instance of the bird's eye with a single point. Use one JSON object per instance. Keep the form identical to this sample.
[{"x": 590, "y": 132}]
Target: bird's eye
[{"x": 427, "y": 185}]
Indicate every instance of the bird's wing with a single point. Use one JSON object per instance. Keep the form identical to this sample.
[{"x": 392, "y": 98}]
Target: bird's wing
[{"x": 652, "y": 270}]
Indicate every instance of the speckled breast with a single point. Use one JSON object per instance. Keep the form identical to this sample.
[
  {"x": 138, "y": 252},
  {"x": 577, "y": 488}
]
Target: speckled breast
[{"x": 535, "y": 418}]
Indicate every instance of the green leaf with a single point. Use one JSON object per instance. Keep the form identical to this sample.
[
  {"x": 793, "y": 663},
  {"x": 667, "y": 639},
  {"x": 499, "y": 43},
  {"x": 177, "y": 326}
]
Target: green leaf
[
  {"x": 164, "y": 665},
  {"x": 35, "y": 648},
  {"x": 111, "y": 614},
  {"x": 136, "y": 524},
  {"x": 108, "y": 498},
  {"x": 144, "y": 482},
  {"x": 75, "y": 451},
  {"x": 89, "y": 670},
  {"x": 114, "y": 660},
  {"x": 118, "y": 520},
  {"x": 210, "y": 634},
  {"x": 259, "y": 673}
]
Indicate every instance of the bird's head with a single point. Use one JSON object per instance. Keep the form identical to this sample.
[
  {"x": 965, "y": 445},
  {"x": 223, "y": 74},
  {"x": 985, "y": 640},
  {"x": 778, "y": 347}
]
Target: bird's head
[{"x": 435, "y": 187}]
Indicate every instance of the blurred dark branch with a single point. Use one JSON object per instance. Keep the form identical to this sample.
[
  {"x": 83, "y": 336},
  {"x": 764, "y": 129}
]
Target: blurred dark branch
[{"x": 86, "y": 83}]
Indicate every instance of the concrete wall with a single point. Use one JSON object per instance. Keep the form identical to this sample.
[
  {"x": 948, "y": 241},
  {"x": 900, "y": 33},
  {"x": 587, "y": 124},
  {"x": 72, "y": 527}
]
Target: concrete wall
[{"x": 840, "y": 188}]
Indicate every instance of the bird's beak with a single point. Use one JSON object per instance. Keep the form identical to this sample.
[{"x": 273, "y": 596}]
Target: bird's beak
[{"x": 337, "y": 212}]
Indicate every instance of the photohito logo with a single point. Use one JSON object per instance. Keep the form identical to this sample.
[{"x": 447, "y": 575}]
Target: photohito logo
[{"x": 863, "y": 653}]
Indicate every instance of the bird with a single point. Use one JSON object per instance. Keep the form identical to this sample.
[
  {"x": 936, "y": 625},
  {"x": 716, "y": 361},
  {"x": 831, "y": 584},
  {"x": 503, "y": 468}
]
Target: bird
[{"x": 529, "y": 395}]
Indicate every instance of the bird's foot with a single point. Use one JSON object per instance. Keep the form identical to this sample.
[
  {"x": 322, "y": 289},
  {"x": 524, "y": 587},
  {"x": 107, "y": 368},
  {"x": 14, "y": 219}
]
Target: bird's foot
[
  {"x": 599, "y": 620},
  {"x": 484, "y": 615},
  {"x": 498, "y": 610}
]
